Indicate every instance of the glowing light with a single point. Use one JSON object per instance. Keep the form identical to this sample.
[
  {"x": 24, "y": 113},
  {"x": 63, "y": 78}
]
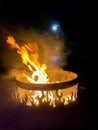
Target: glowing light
[{"x": 55, "y": 27}]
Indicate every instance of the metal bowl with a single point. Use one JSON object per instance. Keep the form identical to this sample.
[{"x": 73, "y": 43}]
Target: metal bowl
[{"x": 59, "y": 79}]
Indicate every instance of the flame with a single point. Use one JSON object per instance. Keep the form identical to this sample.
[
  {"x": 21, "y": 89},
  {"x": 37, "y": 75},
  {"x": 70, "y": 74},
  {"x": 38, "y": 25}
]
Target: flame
[{"x": 29, "y": 55}]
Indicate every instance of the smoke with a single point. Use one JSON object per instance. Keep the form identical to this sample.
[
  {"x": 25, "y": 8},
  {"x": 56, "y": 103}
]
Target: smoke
[{"x": 52, "y": 47}]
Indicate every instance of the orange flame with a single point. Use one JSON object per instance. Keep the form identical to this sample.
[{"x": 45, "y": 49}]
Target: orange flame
[{"x": 29, "y": 55}]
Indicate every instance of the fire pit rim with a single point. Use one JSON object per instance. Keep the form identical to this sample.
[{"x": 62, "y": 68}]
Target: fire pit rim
[{"x": 48, "y": 87}]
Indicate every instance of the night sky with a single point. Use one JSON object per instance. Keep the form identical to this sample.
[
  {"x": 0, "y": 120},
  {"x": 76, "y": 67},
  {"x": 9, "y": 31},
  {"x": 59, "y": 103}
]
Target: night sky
[
  {"x": 74, "y": 20},
  {"x": 30, "y": 14}
]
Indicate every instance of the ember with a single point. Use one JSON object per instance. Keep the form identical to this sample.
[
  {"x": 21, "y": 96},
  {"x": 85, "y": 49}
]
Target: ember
[{"x": 39, "y": 85}]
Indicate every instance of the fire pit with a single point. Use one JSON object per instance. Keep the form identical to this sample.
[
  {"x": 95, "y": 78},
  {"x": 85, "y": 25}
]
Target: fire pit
[
  {"x": 61, "y": 90},
  {"x": 38, "y": 85}
]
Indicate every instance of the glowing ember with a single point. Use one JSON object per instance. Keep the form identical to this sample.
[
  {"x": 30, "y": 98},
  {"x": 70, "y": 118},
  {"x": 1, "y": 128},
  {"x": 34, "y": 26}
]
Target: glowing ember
[{"x": 37, "y": 76}]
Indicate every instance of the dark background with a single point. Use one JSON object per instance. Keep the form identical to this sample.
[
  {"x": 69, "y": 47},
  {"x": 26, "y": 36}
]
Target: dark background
[{"x": 76, "y": 22}]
